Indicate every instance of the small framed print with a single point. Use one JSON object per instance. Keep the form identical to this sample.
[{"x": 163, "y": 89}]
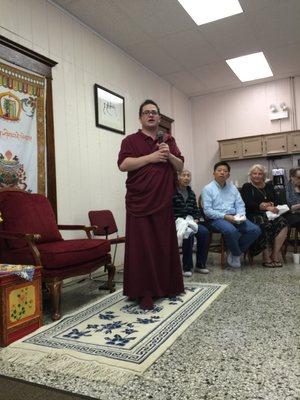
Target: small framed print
[{"x": 110, "y": 110}]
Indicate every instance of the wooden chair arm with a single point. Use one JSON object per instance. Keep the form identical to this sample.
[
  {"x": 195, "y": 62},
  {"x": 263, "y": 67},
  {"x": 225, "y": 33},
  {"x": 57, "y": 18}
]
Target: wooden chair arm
[
  {"x": 19, "y": 235},
  {"x": 86, "y": 229},
  {"x": 29, "y": 238}
]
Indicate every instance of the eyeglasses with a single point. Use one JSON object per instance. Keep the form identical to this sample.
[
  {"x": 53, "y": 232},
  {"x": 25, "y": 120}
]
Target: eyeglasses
[{"x": 148, "y": 112}]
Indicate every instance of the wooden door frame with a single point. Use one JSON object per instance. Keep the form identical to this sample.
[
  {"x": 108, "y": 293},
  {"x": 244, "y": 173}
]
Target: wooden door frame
[
  {"x": 166, "y": 123},
  {"x": 23, "y": 57}
]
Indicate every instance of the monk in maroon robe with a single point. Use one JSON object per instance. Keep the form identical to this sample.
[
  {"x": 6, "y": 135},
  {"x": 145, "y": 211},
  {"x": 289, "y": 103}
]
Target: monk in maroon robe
[{"x": 152, "y": 264}]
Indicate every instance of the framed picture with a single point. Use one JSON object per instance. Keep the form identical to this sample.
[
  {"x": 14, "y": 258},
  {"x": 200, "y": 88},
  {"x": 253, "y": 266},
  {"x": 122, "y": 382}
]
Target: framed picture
[{"x": 110, "y": 110}]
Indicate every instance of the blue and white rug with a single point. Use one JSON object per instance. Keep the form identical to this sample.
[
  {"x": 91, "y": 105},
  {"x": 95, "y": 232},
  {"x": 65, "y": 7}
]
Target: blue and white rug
[{"x": 112, "y": 332}]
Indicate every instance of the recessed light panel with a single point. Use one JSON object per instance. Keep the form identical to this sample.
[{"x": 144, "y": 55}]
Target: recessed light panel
[
  {"x": 204, "y": 11},
  {"x": 250, "y": 67}
]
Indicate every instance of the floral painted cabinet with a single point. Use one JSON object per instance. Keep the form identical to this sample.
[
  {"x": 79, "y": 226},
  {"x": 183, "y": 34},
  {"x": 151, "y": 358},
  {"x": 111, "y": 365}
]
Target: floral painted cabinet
[{"x": 21, "y": 308}]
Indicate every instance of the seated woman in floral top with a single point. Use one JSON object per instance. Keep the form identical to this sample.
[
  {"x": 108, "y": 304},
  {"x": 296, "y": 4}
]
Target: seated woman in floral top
[{"x": 259, "y": 197}]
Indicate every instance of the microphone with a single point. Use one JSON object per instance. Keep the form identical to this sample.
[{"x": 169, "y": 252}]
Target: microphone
[{"x": 160, "y": 136}]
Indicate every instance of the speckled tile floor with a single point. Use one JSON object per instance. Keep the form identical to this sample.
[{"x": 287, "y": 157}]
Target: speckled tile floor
[{"x": 244, "y": 346}]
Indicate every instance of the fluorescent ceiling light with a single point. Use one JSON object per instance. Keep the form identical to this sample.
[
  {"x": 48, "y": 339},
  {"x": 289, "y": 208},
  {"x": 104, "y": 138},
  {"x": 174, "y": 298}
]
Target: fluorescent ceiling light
[
  {"x": 204, "y": 11},
  {"x": 250, "y": 67}
]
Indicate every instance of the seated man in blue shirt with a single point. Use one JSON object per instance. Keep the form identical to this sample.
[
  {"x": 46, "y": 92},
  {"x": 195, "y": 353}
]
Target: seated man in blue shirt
[{"x": 222, "y": 204}]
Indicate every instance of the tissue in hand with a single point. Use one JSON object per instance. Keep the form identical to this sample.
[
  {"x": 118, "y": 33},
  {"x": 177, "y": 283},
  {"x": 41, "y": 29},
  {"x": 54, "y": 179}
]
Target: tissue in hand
[{"x": 239, "y": 218}]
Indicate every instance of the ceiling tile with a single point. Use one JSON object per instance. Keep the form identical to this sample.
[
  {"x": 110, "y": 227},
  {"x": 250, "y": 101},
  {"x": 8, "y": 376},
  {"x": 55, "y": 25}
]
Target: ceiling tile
[
  {"x": 285, "y": 60},
  {"x": 256, "y": 5},
  {"x": 185, "y": 82},
  {"x": 156, "y": 17},
  {"x": 278, "y": 25},
  {"x": 105, "y": 17},
  {"x": 121, "y": 31},
  {"x": 154, "y": 58},
  {"x": 189, "y": 48},
  {"x": 216, "y": 75},
  {"x": 64, "y": 3},
  {"x": 231, "y": 37}
]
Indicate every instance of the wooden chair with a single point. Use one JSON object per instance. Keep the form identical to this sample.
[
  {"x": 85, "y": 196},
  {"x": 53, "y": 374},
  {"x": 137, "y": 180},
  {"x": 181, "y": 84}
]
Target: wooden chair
[
  {"x": 29, "y": 234},
  {"x": 292, "y": 239},
  {"x": 217, "y": 245}
]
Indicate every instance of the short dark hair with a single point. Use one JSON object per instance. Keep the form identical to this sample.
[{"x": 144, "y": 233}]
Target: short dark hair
[
  {"x": 293, "y": 171},
  {"x": 145, "y": 103},
  {"x": 218, "y": 164}
]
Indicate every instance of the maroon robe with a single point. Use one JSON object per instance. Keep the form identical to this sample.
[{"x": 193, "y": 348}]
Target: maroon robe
[{"x": 152, "y": 263}]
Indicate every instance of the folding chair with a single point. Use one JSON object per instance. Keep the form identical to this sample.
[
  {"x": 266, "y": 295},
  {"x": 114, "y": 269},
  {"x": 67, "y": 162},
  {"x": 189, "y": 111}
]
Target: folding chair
[{"x": 105, "y": 225}]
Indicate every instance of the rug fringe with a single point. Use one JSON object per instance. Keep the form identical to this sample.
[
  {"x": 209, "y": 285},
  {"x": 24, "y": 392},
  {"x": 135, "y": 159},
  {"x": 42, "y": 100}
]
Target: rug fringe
[{"x": 54, "y": 362}]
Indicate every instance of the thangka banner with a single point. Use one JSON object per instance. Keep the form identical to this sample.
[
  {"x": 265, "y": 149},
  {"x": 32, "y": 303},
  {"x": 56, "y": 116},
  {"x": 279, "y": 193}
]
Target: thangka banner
[{"x": 22, "y": 130}]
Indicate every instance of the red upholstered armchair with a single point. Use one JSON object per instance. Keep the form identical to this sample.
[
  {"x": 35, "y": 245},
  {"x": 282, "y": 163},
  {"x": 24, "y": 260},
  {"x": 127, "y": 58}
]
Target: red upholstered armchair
[{"x": 29, "y": 234}]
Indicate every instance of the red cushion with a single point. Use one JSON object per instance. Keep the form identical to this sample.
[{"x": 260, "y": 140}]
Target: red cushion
[
  {"x": 28, "y": 213},
  {"x": 60, "y": 254},
  {"x": 81, "y": 269}
]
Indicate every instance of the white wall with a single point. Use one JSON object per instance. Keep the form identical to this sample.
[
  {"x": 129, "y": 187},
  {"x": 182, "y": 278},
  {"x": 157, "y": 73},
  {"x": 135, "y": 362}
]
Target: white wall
[
  {"x": 237, "y": 113},
  {"x": 87, "y": 173},
  {"x": 183, "y": 129}
]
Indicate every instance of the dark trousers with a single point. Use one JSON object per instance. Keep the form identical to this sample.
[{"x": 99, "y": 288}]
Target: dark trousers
[{"x": 202, "y": 237}]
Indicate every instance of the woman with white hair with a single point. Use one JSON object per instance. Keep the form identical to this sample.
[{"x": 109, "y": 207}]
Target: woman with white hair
[
  {"x": 185, "y": 204},
  {"x": 259, "y": 197}
]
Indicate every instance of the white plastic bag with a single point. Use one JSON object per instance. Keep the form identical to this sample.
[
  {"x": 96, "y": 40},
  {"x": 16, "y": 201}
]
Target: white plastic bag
[
  {"x": 185, "y": 227},
  {"x": 282, "y": 209}
]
